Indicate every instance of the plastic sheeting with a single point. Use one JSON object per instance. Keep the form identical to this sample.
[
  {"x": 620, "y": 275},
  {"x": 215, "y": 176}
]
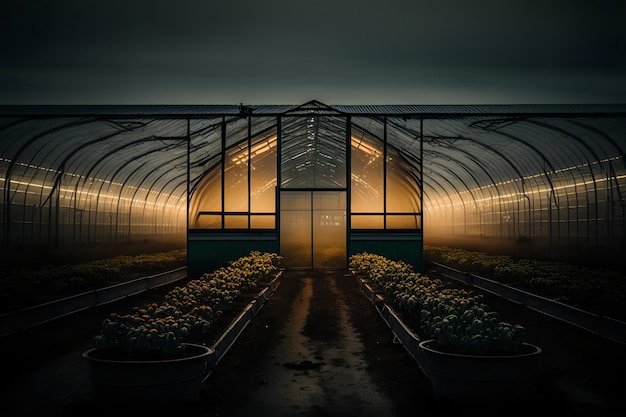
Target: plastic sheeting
[{"x": 76, "y": 174}]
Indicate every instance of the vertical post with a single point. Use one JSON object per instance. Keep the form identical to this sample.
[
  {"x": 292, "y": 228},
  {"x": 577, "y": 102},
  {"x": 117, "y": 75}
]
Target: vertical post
[
  {"x": 7, "y": 200},
  {"x": 223, "y": 167},
  {"x": 7, "y": 208},
  {"x": 550, "y": 218},
  {"x": 595, "y": 220},
  {"x": 421, "y": 176},
  {"x": 610, "y": 175},
  {"x": 312, "y": 226},
  {"x": 57, "y": 215},
  {"x": 249, "y": 156},
  {"x": 188, "y": 140},
  {"x": 385, "y": 173},
  {"x": 348, "y": 185},
  {"x": 279, "y": 140},
  {"x": 75, "y": 213}
]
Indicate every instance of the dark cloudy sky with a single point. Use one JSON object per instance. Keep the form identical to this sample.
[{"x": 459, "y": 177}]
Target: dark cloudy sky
[{"x": 335, "y": 51}]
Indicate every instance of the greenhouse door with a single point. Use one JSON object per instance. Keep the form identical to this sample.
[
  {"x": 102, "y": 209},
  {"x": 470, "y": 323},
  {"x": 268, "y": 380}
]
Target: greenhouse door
[{"x": 313, "y": 229}]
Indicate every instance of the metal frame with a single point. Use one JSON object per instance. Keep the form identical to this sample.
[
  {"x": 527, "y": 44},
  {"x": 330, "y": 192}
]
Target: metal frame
[{"x": 477, "y": 165}]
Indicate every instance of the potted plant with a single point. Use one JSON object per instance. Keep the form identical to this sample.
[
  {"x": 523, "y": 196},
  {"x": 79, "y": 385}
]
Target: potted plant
[
  {"x": 157, "y": 352},
  {"x": 467, "y": 351},
  {"x": 471, "y": 355},
  {"x": 153, "y": 353}
]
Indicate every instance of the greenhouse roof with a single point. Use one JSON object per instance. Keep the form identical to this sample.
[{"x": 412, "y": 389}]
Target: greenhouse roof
[
  {"x": 212, "y": 110},
  {"x": 472, "y": 152}
]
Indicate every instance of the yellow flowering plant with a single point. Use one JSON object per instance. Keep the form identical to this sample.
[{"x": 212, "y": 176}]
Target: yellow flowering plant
[
  {"x": 456, "y": 319},
  {"x": 158, "y": 331}
]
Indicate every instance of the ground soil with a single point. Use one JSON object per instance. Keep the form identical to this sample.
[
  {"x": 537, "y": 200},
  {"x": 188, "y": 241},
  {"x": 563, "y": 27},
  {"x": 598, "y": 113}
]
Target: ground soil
[{"x": 317, "y": 348}]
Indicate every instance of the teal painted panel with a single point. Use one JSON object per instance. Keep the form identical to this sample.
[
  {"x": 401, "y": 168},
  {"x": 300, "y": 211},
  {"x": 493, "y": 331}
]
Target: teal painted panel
[
  {"x": 409, "y": 251},
  {"x": 208, "y": 254}
]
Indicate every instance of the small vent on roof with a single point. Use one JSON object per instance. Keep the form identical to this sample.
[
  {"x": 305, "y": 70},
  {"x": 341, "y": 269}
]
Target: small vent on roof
[{"x": 244, "y": 110}]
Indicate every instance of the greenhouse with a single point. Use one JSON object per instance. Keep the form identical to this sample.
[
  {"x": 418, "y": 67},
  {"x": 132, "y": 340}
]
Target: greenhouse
[
  {"x": 313, "y": 259},
  {"x": 314, "y": 182}
]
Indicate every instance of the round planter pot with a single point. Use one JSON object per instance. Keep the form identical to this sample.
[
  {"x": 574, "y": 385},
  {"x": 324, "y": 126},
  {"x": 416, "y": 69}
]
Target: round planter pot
[
  {"x": 158, "y": 381},
  {"x": 477, "y": 378}
]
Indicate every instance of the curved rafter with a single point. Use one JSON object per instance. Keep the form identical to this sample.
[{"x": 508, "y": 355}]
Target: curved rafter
[{"x": 532, "y": 162}]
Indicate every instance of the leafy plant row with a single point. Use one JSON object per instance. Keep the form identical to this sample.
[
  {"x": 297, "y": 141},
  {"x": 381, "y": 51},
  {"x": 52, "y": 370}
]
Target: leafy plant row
[
  {"x": 20, "y": 288},
  {"x": 602, "y": 291},
  {"x": 156, "y": 331},
  {"x": 456, "y": 319}
]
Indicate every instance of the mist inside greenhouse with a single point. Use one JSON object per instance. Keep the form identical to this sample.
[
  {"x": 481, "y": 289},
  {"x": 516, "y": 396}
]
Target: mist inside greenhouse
[{"x": 313, "y": 259}]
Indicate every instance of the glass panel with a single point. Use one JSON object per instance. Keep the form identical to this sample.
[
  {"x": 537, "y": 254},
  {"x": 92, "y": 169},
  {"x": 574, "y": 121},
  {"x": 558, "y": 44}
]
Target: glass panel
[
  {"x": 404, "y": 222},
  {"x": 236, "y": 179},
  {"x": 236, "y": 132},
  {"x": 329, "y": 229},
  {"x": 313, "y": 152},
  {"x": 263, "y": 222},
  {"x": 235, "y": 222},
  {"x": 263, "y": 175},
  {"x": 208, "y": 197},
  {"x": 402, "y": 191},
  {"x": 295, "y": 229},
  {"x": 208, "y": 221},
  {"x": 367, "y": 175},
  {"x": 367, "y": 222}
]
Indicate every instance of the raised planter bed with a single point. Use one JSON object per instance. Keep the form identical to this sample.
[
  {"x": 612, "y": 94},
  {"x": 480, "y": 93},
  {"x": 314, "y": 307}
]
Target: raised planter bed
[
  {"x": 461, "y": 377},
  {"x": 39, "y": 314},
  {"x": 604, "y": 326},
  {"x": 480, "y": 378},
  {"x": 176, "y": 380},
  {"x": 164, "y": 381}
]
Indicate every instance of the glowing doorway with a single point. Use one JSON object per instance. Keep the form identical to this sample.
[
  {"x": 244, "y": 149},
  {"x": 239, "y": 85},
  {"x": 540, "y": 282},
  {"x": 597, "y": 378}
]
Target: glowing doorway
[{"x": 313, "y": 229}]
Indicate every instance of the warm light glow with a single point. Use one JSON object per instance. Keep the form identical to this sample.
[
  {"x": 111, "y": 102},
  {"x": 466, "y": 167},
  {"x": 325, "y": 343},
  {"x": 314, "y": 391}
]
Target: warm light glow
[
  {"x": 366, "y": 176},
  {"x": 249, "y": 187},
  {"x": 378, "y": 194},
  {"x": 530, "y": 211},
  {"x": 313, "y": 228},
  {"x": 365, "y": 147},
  {"x": 259, "y": 148},
  {"x": 69, "y": 193},
  {"x": 517, "y": 197}
]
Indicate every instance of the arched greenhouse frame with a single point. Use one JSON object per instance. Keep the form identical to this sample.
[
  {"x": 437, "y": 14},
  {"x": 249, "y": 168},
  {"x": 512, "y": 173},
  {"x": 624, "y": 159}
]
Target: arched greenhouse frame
[{"x": 314, "y": 182}]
